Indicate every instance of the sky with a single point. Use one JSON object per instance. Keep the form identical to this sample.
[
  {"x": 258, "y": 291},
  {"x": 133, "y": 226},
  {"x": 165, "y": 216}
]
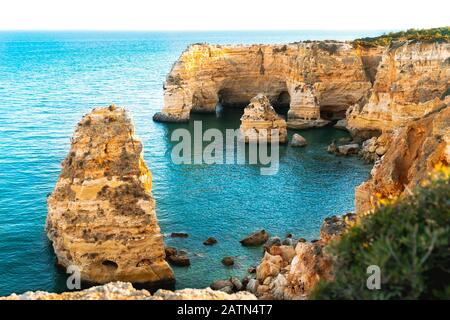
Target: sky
[{"x": 222, "y": 15}]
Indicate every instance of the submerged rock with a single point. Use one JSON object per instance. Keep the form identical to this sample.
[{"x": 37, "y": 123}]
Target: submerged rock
[
  {"x": 260, "y": 119},
  {"x": 298, "y": 141},
  {"x": 256, "y": 239},
  {"x": 101, "y": 214},
  {"x": 179, "y": 235}
]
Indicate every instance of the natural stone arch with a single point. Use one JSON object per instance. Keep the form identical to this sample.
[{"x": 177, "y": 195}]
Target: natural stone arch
[{"x": 206, "y": 74}]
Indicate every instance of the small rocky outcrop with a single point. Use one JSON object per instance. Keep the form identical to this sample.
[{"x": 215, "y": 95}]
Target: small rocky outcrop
[
  {"x": 228, "y": 261},
  {"x": 255, "y": 239},
  {"x": 101, "y": 213},
  {"x": 125, "y": 291},
  {"x": 348, "y": 149},
  {"x": 343, "y": 149},
  {"x": 291, "y": 271},
  {"x": 333, "y": 227},
  {"x": 177, "y": 257},
  {"x": 179, "y": 235},
  {"x": 298, "y": 141},
  {"x": 341, "y": 124},
  {"x": 210, "y": 241},
  {"x": 259, "y": 121}
]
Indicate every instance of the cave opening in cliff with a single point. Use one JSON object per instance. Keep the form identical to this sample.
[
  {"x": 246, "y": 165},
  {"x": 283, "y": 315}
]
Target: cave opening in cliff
[
  {"x": 228, "y": 98},
  {"x": 282, "y": 103},
  {"x": 332, "y": 112},
  {"x": 110, "y": 264}
]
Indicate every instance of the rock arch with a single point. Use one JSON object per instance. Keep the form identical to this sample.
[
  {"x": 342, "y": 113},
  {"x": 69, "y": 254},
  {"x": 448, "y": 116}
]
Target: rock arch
[{"x": 298, "y": 74}]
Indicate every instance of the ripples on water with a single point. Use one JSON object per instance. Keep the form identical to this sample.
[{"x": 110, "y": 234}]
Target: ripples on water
[{"x": 48, "y": 81}]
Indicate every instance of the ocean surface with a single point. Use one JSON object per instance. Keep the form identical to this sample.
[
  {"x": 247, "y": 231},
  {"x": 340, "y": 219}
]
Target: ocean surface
[{"x": 48, "y": 81}]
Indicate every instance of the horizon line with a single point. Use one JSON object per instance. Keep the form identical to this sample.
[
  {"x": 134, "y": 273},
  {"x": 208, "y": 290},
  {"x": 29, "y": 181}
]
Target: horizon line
[{"x": 198, "y": 30}]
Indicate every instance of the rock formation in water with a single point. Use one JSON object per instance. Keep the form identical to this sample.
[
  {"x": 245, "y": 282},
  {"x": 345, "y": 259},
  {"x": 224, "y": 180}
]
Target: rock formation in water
[
  {"x": 125, "y": 291},
  {"x": 260, "y": 122},
  {"x": 101, "y": 214},
  {"x": 411, "y": 152},
  {"x": 311, "y": 78}
]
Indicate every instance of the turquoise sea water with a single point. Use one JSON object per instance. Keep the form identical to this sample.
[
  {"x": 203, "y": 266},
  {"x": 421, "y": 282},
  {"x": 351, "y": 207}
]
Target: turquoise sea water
[{"x": 49, "y": 80}]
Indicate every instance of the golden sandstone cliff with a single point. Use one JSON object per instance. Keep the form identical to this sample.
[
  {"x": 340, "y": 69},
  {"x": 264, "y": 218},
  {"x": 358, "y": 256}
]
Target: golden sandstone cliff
[
  {"x": 101, "y": 214},
  {"x": 395, "y": 97},
  {"x": 376, "y": 90},
  {"x": 412, "y": 80},
  {"x": 310, "y": 77}
]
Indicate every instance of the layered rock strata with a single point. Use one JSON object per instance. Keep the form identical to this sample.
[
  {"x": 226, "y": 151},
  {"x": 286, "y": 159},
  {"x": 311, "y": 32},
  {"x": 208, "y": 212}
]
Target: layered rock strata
[
  {"x": 412, "y": 80},
  {"x": 376, "y": 89},
  {"x": 260, "y": 122},
  {"x": 410, "y": 153},
  {"x": 101, "y": 213},
  {"x": 125, "y": 291},
  {"x": 310, "y": 77}
]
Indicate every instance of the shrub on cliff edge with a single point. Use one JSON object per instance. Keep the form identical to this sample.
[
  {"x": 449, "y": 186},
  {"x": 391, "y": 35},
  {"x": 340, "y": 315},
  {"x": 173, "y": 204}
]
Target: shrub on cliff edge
[{"x": 408, "y": 239}]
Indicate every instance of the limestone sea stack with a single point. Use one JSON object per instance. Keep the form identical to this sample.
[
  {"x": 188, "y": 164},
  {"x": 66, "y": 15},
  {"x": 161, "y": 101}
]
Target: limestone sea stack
[
  {"x": 259, "y": 121},
  {"x": 101, "y": 214}
]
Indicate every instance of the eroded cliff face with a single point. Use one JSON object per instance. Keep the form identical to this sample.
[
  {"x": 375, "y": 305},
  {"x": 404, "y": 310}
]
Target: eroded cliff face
[
  {"x": 412, "y": 80},
  {"x": 377, "y": 89},
  {"x": 125, "y": 291},
  {"x": 311, "y": 77},
  {"x": 101, "y": 214},
  {"x": 412, "y": 152}
]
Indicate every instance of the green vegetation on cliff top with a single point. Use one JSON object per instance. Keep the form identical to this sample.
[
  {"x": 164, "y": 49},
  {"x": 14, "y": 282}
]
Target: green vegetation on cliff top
[
  {"x": 424, "y": 35},
  {"x": 408, "y": 239}
]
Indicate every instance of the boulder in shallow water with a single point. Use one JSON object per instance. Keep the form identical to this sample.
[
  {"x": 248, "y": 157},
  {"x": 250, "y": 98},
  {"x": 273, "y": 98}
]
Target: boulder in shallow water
[
  {"x": 228, "y": 261},
  {"x": 210, "y": 241},
  {"x": 298, "y": 141},
  {"x": 179, "y": 235},
  {"x": 256, "y": 239},
  {"x": 180, "y": 260},
  {"x": 348, "y": 149},
  {"x": 341, "y": 124}
]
